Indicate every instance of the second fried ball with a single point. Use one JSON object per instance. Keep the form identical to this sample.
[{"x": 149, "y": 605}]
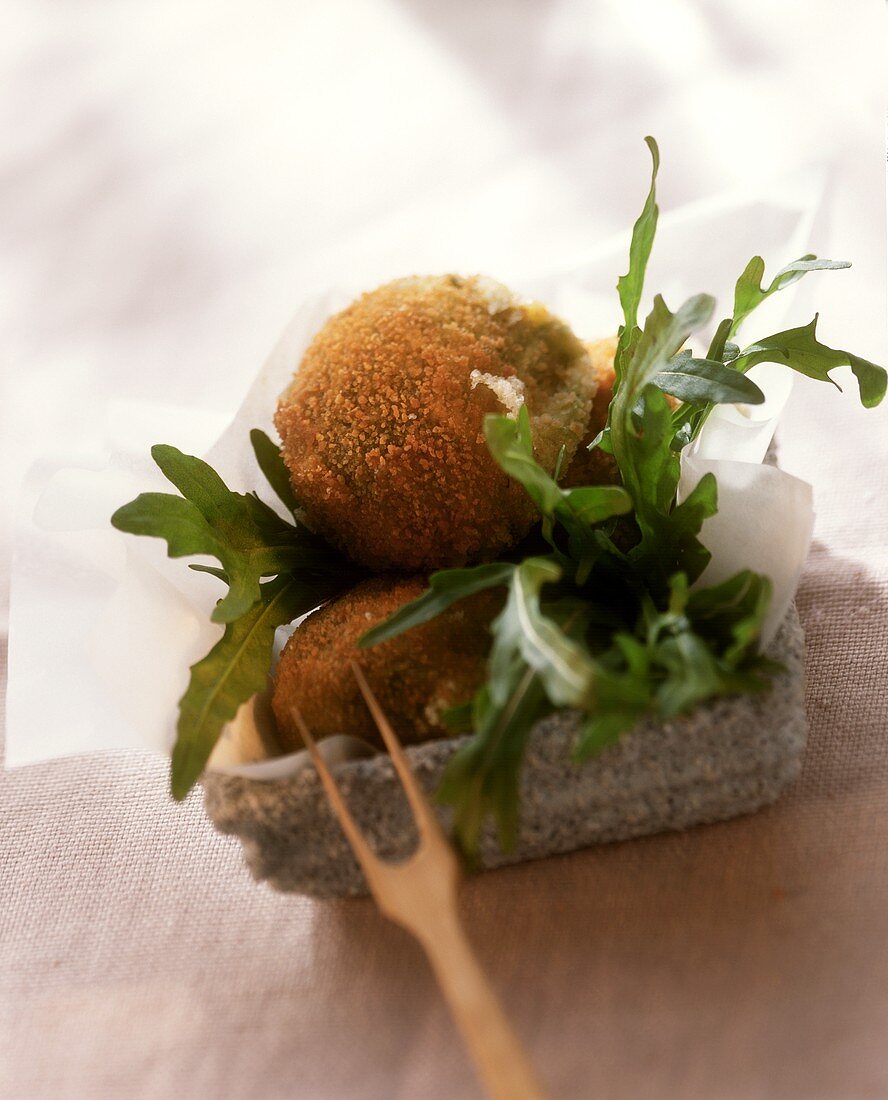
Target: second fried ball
[{"x": 415, "y": 677}]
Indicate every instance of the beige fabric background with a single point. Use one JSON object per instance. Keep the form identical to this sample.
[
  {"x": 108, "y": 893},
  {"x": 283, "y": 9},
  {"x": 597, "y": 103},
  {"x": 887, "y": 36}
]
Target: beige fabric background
[{"x": 137, "y": 959}]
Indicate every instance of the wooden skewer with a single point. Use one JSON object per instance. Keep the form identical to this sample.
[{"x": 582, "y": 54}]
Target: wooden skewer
[{"x": 420, "y": 895}]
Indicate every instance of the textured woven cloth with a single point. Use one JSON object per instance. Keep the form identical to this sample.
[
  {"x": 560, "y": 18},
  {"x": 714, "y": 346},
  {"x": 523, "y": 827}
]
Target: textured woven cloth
[
  {"x": 744, "y": 959},
  {"x": 137, "y": 957}
]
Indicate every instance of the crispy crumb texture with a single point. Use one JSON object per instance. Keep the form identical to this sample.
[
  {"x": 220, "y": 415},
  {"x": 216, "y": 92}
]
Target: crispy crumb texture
[
  {"x": 508, "y": 391},
  {"x": 416, "y": 677},
  {"x": 595, "y": 467},
  {"x": 382, "y": 428}
]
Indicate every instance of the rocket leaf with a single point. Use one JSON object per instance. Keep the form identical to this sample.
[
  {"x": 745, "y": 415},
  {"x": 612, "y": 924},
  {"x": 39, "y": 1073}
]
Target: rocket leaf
[
  {"x": 800, "y": 349},
  {"x": 236, "y": 668},
  {"x": 749, "y": 292},
  {"x": 250, "y": 541}
]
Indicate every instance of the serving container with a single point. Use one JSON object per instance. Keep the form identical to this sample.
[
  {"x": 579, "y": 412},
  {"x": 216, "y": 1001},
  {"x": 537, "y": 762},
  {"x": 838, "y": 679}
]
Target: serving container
[{"x": 730, "y": 756}]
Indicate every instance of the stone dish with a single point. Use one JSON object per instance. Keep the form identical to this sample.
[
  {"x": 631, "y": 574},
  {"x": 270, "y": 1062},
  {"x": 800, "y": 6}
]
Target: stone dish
[{"x": 728, "y": 757}]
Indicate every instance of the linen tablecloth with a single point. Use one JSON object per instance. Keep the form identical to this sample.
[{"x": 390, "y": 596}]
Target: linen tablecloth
[{"x": 174, "y": 175}]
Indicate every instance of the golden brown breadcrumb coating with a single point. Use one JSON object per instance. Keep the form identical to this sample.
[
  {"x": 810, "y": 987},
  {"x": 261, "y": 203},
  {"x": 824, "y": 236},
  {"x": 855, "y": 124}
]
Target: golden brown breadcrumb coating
[
  {"x": 415, "y": 676},
  {"x": 382, "y": 427},
  {"x": 595, "y": 467}
]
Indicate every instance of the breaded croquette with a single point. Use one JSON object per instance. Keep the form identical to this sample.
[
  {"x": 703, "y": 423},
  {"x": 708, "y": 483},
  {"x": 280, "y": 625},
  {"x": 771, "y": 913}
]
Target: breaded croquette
[
  {"x": 596, "y": 467},
  {"x": 416, "y": 676},
  {"x": 382, "y": 427}
]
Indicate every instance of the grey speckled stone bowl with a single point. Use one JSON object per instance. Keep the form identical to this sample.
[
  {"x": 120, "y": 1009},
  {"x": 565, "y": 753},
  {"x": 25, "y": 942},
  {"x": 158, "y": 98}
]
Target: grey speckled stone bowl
[{"x": 729, "y": 757}]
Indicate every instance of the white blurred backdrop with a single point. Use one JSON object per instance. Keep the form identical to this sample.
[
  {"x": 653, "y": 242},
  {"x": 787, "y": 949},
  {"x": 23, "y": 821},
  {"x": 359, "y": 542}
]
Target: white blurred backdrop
[{"x": 175, "y": 174}]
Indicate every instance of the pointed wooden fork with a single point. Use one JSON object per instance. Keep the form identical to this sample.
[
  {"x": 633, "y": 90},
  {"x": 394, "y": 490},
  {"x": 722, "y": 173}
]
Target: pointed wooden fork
[{"x": 420, "y": 895}]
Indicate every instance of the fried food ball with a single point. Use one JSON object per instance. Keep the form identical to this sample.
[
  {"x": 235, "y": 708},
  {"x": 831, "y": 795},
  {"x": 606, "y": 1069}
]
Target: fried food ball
[
  {"x": 382, "y": 427},
  {"x": 415, "y": 676},
  {"x": 595, "y": 467}
]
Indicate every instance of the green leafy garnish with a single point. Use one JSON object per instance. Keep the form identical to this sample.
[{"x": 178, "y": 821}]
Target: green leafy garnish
[
  {"x": 749, "y": 292},
  {"x": 251, "y": 542},
  {"x": 446, "y": 587},
  {"x": 268, "y": 457},
  {"x": 575, "y": 509},
  {"x": 236, "y": 668},
  {"x": 608, "y": 623},
  {"x": 706, "y": 381},
  {"x": 800, "y": 349},
  {"x": 247, "y": 537},
  {"x": 631, "y": 285},
  {"x": 796, "y": 348}
]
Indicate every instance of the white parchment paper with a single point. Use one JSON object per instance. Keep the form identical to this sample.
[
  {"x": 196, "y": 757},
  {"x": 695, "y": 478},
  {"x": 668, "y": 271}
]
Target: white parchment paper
[{"x": 103, "y": 627}]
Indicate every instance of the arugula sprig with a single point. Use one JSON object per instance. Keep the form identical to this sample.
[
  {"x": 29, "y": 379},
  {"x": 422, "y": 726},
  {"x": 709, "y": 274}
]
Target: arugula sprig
[
  {"x": 608, "y": 623},
  {"x": 251, "y": 542},
  {"x": 749, "y": 293},
  {"x": 235, "y": 669},
  {"x": 589, "y": 627},
  {"x": 797, "y": 348},
  {"x": 595, "y": 637}
]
